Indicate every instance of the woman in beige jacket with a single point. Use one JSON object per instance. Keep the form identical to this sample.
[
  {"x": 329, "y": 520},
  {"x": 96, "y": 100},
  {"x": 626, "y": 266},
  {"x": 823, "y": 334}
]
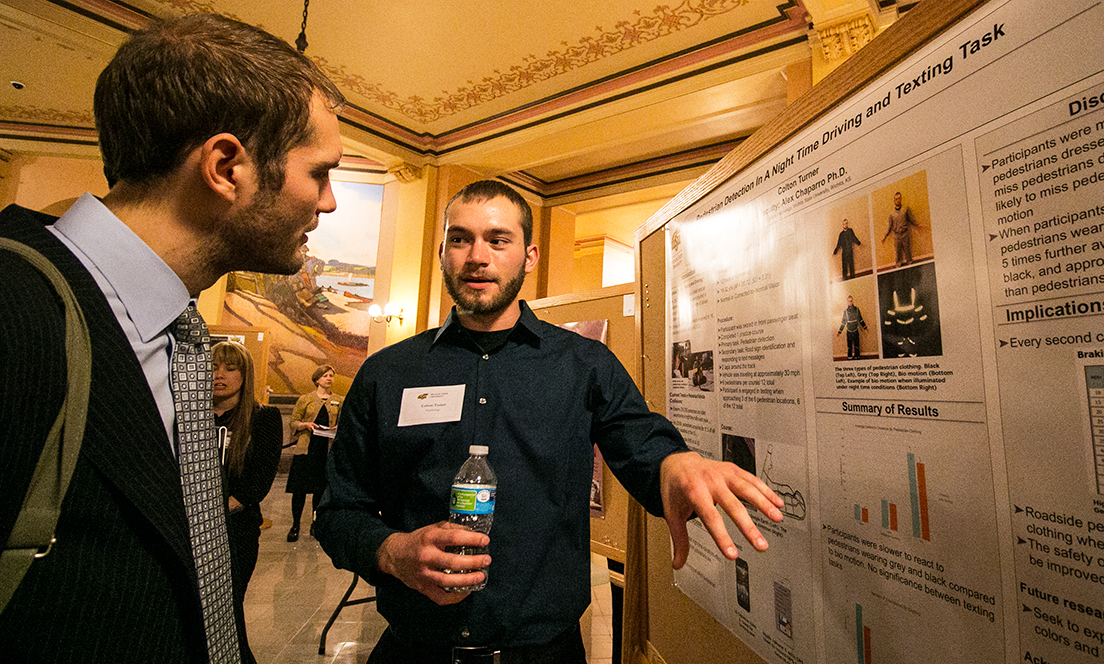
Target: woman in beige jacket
[{"x": 313, "y": 423}]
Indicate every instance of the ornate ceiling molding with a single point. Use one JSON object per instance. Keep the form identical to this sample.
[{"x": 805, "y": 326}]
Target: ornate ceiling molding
[
  {"x": 655, "y": 75},
  {"x": 359, "y": 164},
  {"x": 684, "y": 161},
  {"x": 49, "y": 138},
  {"x": 661, "y": 22},
  {"x": 788, "y": 29},
  {"x": 46, "y": 116},
  {"x": 405, "y": 172},
  {"x": 115, "y": 14},
  {"x": 842, "y": 40}
]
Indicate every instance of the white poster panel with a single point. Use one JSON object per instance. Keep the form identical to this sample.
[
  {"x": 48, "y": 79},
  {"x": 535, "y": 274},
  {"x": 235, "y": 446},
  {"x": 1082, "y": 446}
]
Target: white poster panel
[{"x": 896, "y": 320}]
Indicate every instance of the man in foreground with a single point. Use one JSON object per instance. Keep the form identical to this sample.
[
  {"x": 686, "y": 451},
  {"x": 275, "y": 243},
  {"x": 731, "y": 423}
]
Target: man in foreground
[
  {"x": 217, "y": 140},
  {"x": 539, "y": 397}
]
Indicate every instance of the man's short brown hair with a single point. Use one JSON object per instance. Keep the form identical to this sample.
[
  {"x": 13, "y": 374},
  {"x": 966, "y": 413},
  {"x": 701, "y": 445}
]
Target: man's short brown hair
[
  {"x": 178, "y": 82},
  {"x": 485, "y": 190}
]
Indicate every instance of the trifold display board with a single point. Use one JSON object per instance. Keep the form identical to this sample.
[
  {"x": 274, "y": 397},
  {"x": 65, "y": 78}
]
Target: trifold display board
[
  {"x": 608, "y": 533},
  {"x": 895, "y": 318}
]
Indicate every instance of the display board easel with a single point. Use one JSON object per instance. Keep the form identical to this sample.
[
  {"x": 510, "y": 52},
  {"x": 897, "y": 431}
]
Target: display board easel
[
  {"x": 607, "y": 534},
  {"x": 1000, "y": 104}
]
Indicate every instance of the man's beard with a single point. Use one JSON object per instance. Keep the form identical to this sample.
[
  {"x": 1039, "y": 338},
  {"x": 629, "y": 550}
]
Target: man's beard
[
  {"x": 257, "y": 238},
  {"x": 472, "y": 303}
]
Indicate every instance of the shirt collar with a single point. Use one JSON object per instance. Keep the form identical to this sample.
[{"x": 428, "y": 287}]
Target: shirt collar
[
  {"x": 128, "y": 264},
  {"x": 527, "y": 323}
]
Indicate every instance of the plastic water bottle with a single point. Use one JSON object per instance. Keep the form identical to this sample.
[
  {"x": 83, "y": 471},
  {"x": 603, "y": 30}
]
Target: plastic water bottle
[{"x": 472, "y": 505}]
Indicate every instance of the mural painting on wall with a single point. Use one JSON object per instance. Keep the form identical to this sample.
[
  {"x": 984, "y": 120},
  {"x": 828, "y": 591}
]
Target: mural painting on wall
[{"x": 319, "y": 315}]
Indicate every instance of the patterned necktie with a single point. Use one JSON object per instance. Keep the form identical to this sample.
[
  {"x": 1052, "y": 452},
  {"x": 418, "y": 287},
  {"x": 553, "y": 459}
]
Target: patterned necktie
[{"x": 201, "y": 478}]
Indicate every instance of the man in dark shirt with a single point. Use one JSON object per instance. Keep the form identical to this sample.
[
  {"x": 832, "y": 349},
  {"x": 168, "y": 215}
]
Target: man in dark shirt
[
  {"x": 846, "y": 243},
  {"x": 538, "y": 396}
]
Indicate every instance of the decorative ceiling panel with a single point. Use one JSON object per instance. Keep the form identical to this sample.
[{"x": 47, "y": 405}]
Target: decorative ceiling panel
[
  {"x": 560, "y": 89},
  {"x": 439, "y": 75},
  {"x": 48, "y": 72}
]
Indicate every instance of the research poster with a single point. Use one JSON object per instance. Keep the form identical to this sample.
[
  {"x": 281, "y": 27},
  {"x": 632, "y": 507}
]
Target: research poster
[{"x": 896, "y": 321}]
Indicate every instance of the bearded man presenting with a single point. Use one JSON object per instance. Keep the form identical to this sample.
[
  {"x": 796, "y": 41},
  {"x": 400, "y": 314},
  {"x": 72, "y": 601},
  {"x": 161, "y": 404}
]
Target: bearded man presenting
[{"x": 539, "y": 397}]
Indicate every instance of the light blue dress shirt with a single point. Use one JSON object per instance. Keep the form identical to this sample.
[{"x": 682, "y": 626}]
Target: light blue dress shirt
[{"x": 145, "y": 294}]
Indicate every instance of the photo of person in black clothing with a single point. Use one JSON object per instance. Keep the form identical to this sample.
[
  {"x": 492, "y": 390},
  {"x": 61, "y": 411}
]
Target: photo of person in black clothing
[
  {"x": 910, "y": 322},
  {"x": 846, "y": 243}
]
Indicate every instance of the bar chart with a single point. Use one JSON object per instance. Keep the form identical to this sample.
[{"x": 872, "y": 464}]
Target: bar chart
[
  {"x": 1094, "y": 383},
  {"x": 918, "y": 495},
  {"x": 862, "y": 637},
  {"x": 894, "y": 492},
  {"x": 918, "y": 502}
]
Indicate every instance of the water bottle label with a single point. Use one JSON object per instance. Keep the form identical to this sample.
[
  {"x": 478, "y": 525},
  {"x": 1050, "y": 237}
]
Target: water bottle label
[{"x": 467, "y": 500}]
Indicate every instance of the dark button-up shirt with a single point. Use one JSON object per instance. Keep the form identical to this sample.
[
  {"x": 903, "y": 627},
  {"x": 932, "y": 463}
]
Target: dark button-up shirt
[{"x": 539, "y": 402}]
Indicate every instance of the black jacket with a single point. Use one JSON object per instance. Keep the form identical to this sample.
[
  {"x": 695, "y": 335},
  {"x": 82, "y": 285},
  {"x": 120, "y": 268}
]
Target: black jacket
[{"x": 120, "y": 583}]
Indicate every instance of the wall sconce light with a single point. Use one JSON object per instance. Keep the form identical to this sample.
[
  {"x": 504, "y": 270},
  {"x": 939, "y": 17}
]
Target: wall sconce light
[{"x": 386, "y": 313}]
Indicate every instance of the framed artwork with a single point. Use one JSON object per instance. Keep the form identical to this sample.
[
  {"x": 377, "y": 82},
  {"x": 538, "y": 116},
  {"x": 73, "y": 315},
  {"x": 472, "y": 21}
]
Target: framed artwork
[{"x": 320, "y": 314}]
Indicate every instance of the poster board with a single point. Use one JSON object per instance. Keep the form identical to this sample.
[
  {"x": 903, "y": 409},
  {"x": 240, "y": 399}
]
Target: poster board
[
  {"x": 607, "y": 534},
  {"x": 944, "y": 471}
]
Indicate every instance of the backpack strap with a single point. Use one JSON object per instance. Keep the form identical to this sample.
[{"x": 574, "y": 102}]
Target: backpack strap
[{"x": 33, "y": 533}]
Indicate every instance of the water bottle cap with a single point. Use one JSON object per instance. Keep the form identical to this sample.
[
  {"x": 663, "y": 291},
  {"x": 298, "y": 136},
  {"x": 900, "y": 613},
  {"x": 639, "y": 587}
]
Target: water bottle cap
[{"x": 478, "y": 449}]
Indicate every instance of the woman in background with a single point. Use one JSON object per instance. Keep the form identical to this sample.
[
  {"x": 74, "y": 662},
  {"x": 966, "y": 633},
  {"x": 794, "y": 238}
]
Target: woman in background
[
  {"x": 254, "y": 441},
  {"x": 313, "y": 421}
]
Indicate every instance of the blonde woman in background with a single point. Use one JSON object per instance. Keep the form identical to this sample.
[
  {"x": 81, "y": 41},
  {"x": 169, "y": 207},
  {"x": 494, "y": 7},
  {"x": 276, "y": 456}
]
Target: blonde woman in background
[
  {"x": 254, "y": 441},
  {"x": 313, "y": 421}
]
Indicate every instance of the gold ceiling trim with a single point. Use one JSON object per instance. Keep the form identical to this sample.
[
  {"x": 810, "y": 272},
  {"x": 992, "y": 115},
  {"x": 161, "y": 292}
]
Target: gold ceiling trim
[
  {"x": 52, "y": 116},
  {"x": 843, "y": 40},
  {"x": 682, "y": 162},
  {"x": 195, "y": 7},
  {"x": 661, "y": 22},
  {"x": 122, "y": 16}
]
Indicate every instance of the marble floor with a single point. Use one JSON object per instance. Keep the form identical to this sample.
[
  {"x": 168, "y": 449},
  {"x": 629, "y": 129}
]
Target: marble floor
[{"x": 295, "y": 588}]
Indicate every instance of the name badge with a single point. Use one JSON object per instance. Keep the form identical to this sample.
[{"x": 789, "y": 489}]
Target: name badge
[
  {"x": 431, "y": 405},
  {"x": 223, "y": 442}
]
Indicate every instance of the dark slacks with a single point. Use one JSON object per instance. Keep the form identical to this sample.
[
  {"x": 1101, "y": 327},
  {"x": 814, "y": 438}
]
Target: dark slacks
[
  {"x": 853, "y": 345},
  {"x": 848, "y": 265}
]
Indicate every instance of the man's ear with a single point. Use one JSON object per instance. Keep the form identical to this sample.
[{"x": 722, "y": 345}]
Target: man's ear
[
  {"x": 225, "y": 165},
  {"x": 532, "y": 254}
]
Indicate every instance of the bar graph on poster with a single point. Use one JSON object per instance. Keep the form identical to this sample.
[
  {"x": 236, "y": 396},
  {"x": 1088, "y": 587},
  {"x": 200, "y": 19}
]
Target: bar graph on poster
[
  {"x": 896, "y": 320},
  {"x": 912, "y": 487}
]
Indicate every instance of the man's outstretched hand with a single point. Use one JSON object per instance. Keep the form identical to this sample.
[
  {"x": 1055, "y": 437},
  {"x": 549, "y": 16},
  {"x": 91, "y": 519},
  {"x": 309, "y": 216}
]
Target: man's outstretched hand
[{"x": 692, "y": 485}]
